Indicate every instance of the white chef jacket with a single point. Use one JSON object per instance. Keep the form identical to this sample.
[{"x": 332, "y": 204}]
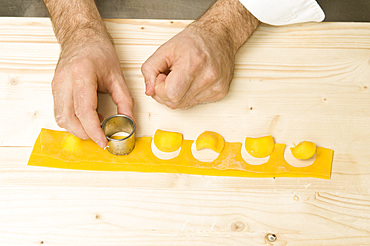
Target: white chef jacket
[{"x": 284, "y": 12}]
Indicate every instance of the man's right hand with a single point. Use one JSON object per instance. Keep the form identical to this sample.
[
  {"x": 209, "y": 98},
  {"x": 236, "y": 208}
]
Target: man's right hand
[
  {"x": 88, "y": 63},
  {"x": 80, "y": 73}
]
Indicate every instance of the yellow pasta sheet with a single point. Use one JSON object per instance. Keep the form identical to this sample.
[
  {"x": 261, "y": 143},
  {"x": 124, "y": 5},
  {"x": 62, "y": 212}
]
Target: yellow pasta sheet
[{"x": 50, "y": 151}]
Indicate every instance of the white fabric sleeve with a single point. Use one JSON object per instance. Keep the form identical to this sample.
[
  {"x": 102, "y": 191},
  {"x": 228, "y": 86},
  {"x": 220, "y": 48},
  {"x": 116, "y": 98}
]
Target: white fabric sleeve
[{"x": 284, "y": 12}]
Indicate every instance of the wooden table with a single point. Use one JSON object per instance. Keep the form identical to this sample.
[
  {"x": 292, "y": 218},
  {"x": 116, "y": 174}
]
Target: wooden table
[{"x": 299, "y": 82}]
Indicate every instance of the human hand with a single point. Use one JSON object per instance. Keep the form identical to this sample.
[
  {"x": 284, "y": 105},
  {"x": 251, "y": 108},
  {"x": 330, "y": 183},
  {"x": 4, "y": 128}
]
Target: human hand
[
  {"x": 193, "y": 67},
  {"x": 196, "y": 66},
  {"x": 85, "y": 67}
]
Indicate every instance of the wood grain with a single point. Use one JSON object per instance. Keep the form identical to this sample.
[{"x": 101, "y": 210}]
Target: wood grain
[
  {"x": 299, "y": 82},
  {"x": 119, "y": 216}
]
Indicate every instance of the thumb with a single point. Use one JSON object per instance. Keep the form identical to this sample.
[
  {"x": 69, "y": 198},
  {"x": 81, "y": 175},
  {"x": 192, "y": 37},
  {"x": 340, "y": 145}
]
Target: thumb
[
  {"x": 160, "y": 86},
  {"x": 151, "y": 69},
  {"x": 174, "y": 86},
  {"x": 121, "y": 97}
]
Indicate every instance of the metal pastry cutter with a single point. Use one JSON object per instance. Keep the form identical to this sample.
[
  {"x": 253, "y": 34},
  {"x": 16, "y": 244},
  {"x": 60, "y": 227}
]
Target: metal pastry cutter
[{"x": 120, "y": 132}]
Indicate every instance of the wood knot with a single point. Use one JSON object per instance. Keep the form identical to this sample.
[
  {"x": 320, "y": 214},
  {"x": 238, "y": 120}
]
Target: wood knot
[
  {"x": 35, "y": 114},
  {"x": 97, "y": 216},
  {"x": 13, "y": 81},
  {"x": 271, "y": 237},
  {"x": 42, "y": 242},
  {"x": 237, "y": 226},
  {"x": 142, "y": 28}
]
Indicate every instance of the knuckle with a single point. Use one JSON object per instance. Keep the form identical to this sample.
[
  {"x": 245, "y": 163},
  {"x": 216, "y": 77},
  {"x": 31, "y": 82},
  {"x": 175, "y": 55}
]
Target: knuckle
[
  {"x": 54, "y": 88},
  {"x": 174, "y": 96},
  {"x": 61, "y": 120},
  {"x": 56, "y": 84},
  {"x": 199, "y": 58},
  {"x": 221, "y": 94},
  {"x": 211, "y": 76},
  {"x": 79, "y": 113},
  {"x": 116, "y": 78},
  {"x": 189, "y": 104},
  {"x": 195, "y": 61},
  {"x": 183, "y": 106},
  {"x": 172, "y": 105},
  {"x": 78, "y": 66},
  {"x": 79, "y": 109},
  {"x": 76, "y": 69},
  {"x": 131, "y": 102},
  {"x": 144, "y": 67},
  {"x": 218, "y": 88}
]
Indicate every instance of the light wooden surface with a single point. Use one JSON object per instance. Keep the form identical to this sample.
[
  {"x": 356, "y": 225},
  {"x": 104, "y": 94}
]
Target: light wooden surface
[{"x": 300, "y": 82}]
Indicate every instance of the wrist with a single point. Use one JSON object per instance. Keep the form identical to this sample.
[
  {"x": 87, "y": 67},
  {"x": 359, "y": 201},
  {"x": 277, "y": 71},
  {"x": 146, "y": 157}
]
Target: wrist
[
  {"x": 76, "y": 22},
  {"x": 84, "y": 36},
  {"x": 229, "y": 21}
]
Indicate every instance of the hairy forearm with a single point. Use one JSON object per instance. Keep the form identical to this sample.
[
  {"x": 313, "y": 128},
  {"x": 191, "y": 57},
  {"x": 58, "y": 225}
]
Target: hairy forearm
[
  {"x": 230, "y": 20},
  {"x": 75, "y": 21}
]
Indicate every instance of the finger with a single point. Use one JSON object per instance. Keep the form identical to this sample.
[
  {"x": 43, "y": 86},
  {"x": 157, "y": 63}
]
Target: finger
[
  {"x": 121, "y": 96},
  {"x": 74, "y": 126},
  {"x": 207, "y": 87},
  {"x": 85, "y": 103},
  {"x": 207, "y": 95},
  {"x": 169, "y": 104},
  {"x": 199, "y": 86},
  {"x": 101, "y": 117},
  {"x": 64, "y": 111},
  {"x": 69, "y": 121},
  {"x": 156, "y": 64},
  {"x": 175, "y": 85},
  {"x": 160, "y": 86}
]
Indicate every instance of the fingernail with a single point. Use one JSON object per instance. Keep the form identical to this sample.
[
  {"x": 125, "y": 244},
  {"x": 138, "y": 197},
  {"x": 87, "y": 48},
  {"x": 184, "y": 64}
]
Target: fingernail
[
  {"x": 101, "y": 145},
  {"x": 147, "y": 84}
]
